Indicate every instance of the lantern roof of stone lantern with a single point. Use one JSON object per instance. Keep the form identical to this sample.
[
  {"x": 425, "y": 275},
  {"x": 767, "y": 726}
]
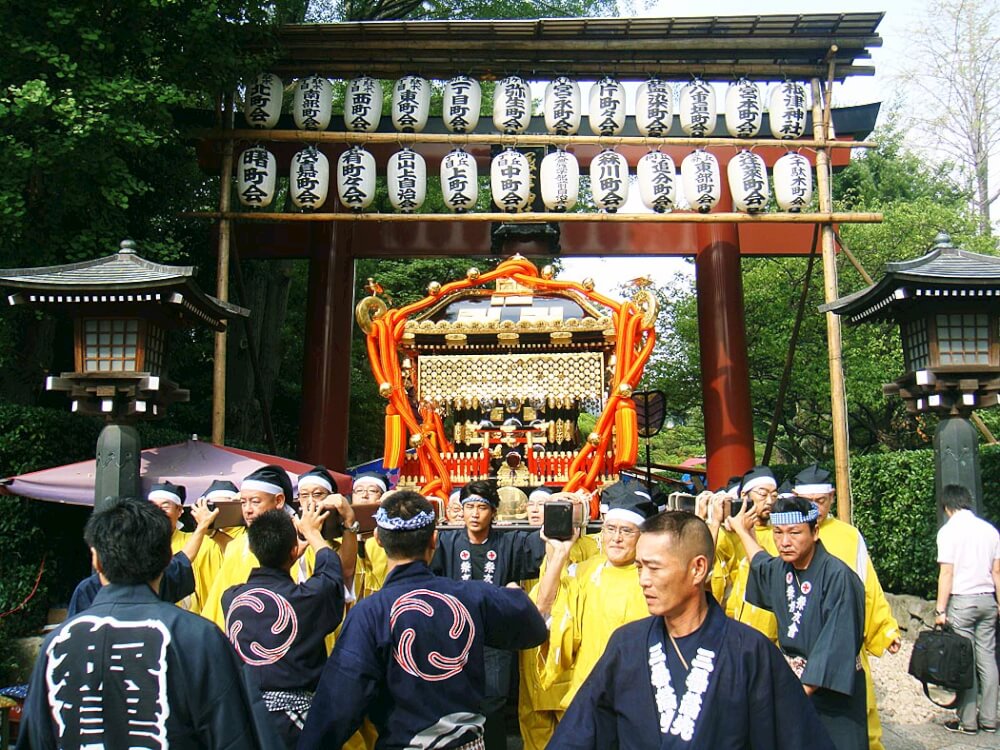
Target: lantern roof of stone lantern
[
  {"x": 945, "y": 275},
  {"x": 122, "y": 278}
]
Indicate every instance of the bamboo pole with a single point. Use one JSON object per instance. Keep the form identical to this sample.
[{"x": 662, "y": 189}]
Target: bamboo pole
[
  {"x": 222, "y": 280},
  {"x": 681, "y": 217},
  {"x": 501, "y": 139},
  {"x": 838, "y": 393}
]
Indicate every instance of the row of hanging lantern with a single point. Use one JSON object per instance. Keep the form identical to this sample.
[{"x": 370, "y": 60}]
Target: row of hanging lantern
[
  {"x": 697, "y": 111},
  {"x": 510, "y": 180}
]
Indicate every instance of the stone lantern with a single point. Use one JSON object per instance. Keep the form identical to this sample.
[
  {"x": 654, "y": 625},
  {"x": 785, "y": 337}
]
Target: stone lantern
[
  {"x": 123, "y": 307},
  {"x": 947, "y": 306}
]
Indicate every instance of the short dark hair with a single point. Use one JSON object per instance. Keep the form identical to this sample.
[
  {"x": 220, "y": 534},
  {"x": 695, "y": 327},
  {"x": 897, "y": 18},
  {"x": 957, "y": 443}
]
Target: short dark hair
[
  {"x": 792, "y": 505},
  {"x": 132, "y": 540},
  {"x": 272, "y": 538},
  {"x": 689, "y": 532},
  {"x": 956, "y": 497},
  {"x": 410, "y": 544},
  {"x": 484, "y": 488}
]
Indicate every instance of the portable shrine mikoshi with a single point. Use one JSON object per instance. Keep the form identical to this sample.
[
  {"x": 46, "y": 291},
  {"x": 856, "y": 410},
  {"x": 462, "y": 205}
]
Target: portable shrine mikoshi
[{"x": 487, "y": 382}]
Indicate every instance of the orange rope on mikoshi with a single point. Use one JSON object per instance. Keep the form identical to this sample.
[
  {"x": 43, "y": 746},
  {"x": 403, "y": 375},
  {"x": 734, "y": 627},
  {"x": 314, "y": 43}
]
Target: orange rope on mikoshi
[{"x": 633, "y": 320}]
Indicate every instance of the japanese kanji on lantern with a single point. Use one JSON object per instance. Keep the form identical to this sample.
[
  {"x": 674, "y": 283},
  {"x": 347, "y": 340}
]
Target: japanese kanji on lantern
[
  {"x": 697, "y": 109},
  {"x": 744, "y": 109},
  {"x": 609, "y": 180},
  {"x": 262, "y": 106},
  {"x": 607, "y": 107},
  {"x": 793, "y": 187},
  {"x": 363, "y": 105},
  {"x": 309, "y": 180},
  {"x": 406, "y": 177},
  {"x": 562, "y": 106},
  {"x": 559, "y": 176},
  {"x": 512, "y": 105},
  {"x": 510, "y": 180},
  {"x": 657, "y": 177},
  {"x": 411, "y": 103},
  {"x": 787, "y": 107},
  {"x": 459, "y": 181},
  {"x": 256, "y": 172},
  {"x": 356, "y": 178},
  {"x": 748, "y": 182},
  {"x": 654, "y": 108},
  {"x": 460, "y": 105},
  {"x": 312, "y": 103},
  {"x": 702, "y": 180}
]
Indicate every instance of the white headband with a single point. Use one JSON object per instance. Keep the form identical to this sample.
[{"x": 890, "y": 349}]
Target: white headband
[
  {"x": 165, "y": 495},
  {"x": 258, "y": 484},
  {"x": 315, "y": 479},
  {"x": 221, "y": 495},
  {"x": 756, "y": 482},
  {"x": 370, "y": 480},
  {"x": 623, "y": 514},
  {"x": 539, "y": 494},
  {"x": 813, "y": 489}
]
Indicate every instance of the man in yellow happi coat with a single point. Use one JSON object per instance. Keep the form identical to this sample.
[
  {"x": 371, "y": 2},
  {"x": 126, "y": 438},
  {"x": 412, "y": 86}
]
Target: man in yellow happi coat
[
  {"x": 589, "y": 603},
  {"x": 845, "y": 542},
  {"x": 758, "y": 488},
  {"x": 169, "y": 498},
  {"x": 728, "y": 550},
  {"x": 373, "y": 563},
  {"x": 539, "y": 709}
]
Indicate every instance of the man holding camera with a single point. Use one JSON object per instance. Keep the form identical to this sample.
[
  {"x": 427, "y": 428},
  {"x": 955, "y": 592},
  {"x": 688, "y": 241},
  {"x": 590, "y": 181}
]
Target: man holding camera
[{"x": 588, "y": 601}]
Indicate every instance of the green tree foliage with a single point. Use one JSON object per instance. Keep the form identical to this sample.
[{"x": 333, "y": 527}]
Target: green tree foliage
[{"x": 389, "y": 10}]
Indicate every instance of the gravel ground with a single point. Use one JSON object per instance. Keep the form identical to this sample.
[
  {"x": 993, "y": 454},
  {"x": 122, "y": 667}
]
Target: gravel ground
[{"x": 900, "y": 697}]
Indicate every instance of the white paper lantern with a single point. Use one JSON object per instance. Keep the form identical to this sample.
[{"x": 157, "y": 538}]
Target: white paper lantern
[
  {"x": 411, "y": 102},
  {"x": 787, "y": 107},
  {"x": 406, "y": 177},
  {"x": 654, "y": 108},
  {"x": 461, "y": 102},
  {"x": 702, "y": 180},
  {"x": 510, "y": 180},
  {"x": 793, "y": 187},
  {"x": 262, "y": 107},
  {"x": 256, "y": 172},
  {"x": 356, "y": 178},
  {"x": 363, "y": 105},
  {"x": 312, "y": 103},
  {"x": 744, "y": 109},
  {"x": 657, "y": 176},
  {"x": 607, "y": 107},
  {"x": 559, "y": 176},
  {"x": 748, "y": 182},
  {"x": 562, "y": 106},
  {"x": 309, "y": 181},
  {"x": 697, "y": 110},
  {"x": 609, "y": 180},
  {"x": 512, "y": 105},
  {"x": 459, "y": 181}
]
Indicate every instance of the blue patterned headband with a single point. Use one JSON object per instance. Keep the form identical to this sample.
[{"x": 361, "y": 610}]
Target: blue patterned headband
[
  {"x": 478, "y": 499},
  {"x": 419, "y": 521},
  {"x": 792, "y": 517}
]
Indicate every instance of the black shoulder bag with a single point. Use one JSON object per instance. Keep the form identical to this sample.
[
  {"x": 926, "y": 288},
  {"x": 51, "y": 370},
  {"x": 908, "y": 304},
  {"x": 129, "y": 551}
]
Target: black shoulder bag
[{"x": 944, "y": 658}]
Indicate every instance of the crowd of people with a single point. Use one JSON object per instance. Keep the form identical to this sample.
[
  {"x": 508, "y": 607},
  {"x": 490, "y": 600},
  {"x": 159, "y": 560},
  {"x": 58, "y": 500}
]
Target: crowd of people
[{"x": 747, "y": 623}]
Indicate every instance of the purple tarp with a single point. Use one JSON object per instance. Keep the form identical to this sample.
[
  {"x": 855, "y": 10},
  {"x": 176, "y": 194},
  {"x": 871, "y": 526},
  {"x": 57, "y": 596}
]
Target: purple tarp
[{"x": 193, "y": 464}]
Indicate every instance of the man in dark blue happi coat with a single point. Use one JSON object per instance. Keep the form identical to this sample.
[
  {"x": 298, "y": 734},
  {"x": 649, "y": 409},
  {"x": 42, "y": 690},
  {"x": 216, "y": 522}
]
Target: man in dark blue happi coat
[
  {"x": 278, "y": 626},
  {"x": 410, "y": 656},
  {"x": 133, "y": 671},
  {"x": 687, "y": 677}
]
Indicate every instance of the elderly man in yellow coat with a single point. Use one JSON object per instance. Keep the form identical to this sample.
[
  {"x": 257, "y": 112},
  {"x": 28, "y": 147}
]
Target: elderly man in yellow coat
[
  {"x": 589, "y": 603},
  {"x": 845, "y": 542}
]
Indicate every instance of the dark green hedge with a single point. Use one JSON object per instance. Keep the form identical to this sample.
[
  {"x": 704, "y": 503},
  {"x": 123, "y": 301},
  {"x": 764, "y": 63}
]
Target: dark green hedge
[{"x": 894, "y": 509}]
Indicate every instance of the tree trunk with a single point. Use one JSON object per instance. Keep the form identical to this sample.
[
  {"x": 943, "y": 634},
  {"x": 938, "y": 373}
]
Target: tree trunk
[{"x": 267, "y": 284}]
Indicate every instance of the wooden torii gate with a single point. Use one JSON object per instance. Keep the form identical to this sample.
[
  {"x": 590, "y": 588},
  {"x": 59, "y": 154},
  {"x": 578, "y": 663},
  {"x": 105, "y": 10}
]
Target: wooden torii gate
[{"x": 820, "y": 48}]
